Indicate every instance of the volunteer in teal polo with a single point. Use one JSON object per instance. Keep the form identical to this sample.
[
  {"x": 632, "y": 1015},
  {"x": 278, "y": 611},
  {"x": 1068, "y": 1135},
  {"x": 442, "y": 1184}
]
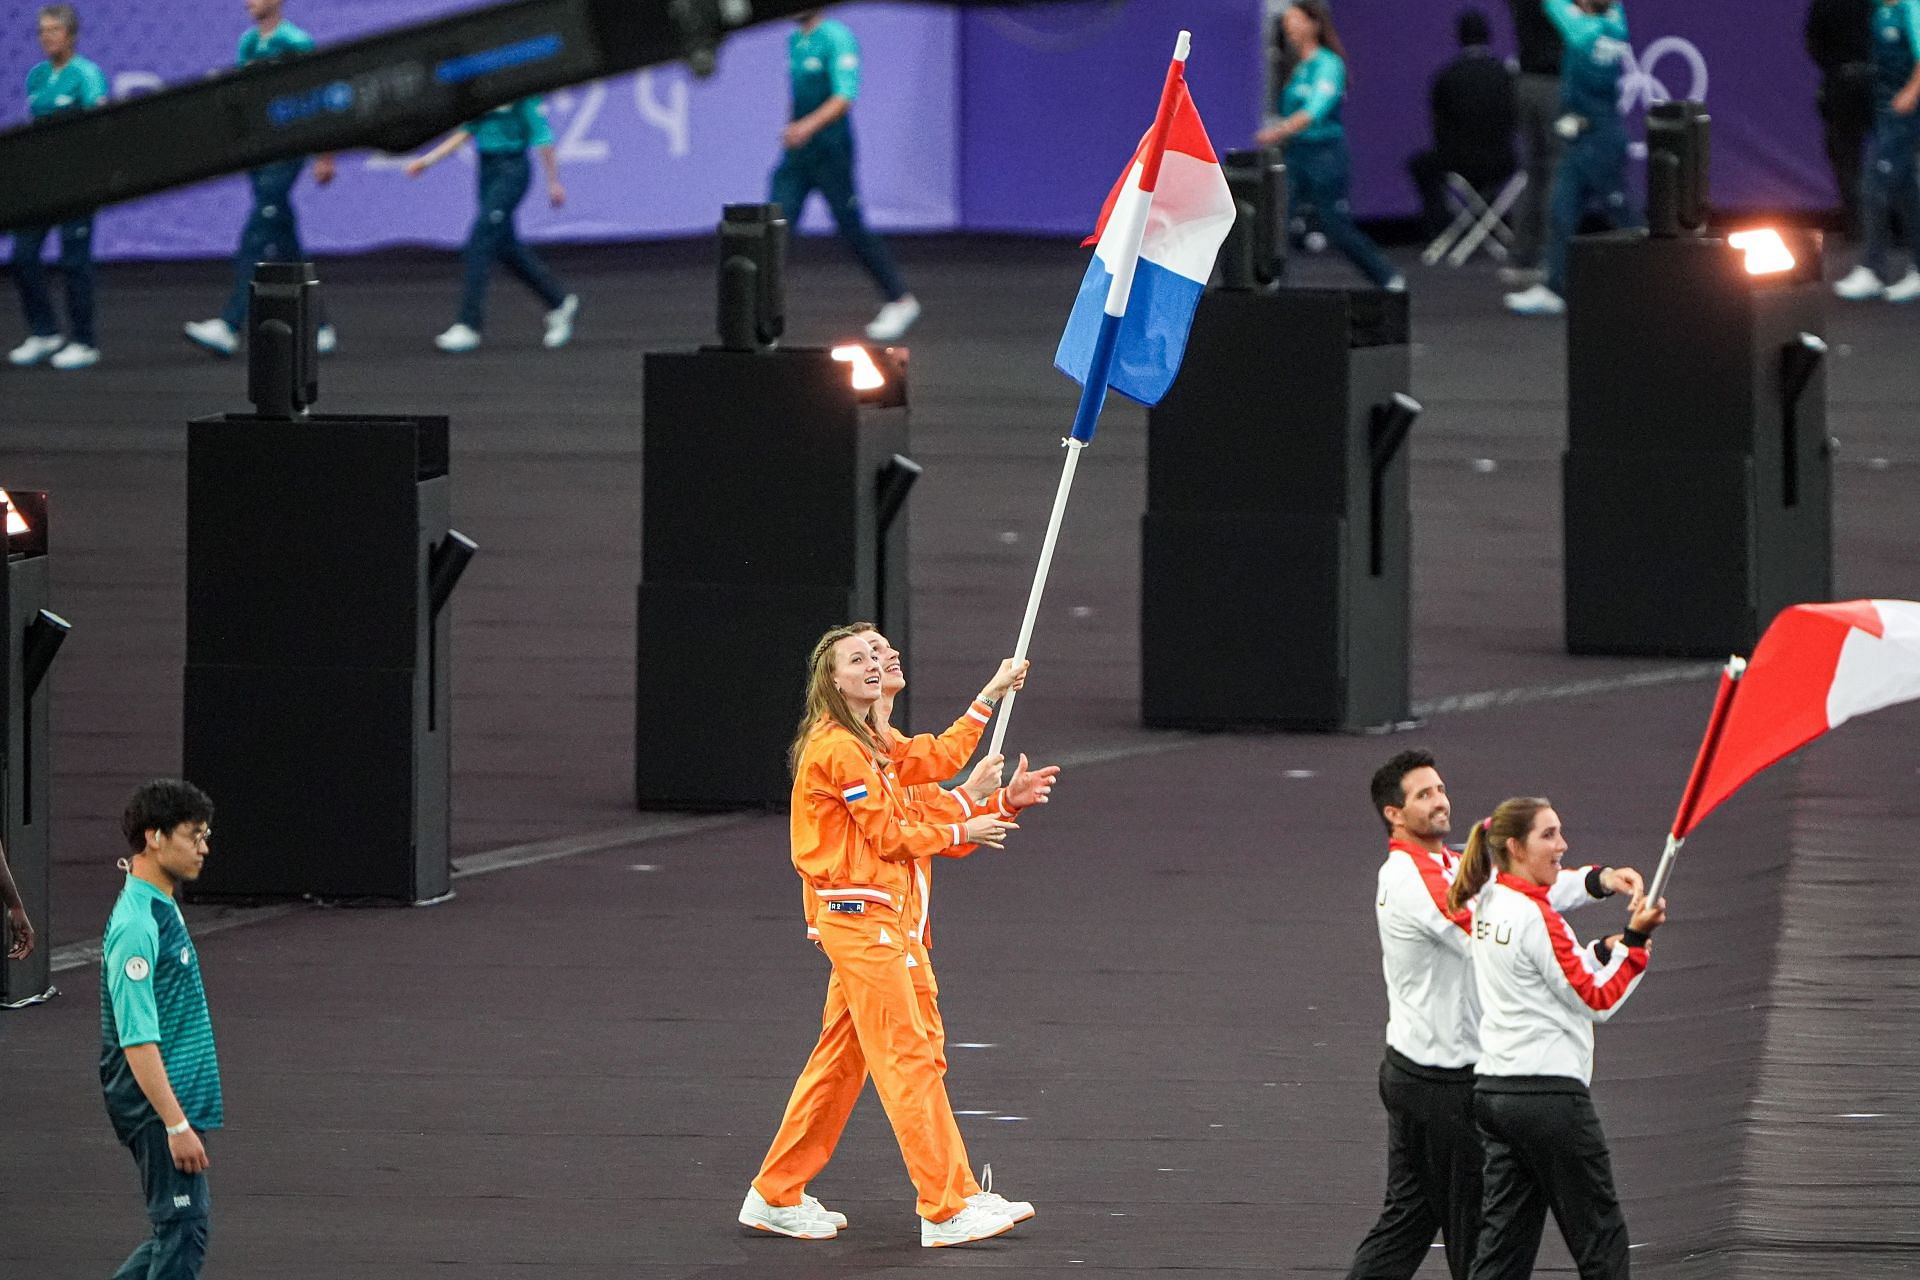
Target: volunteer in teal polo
[
  {"x": 1318, "y": 163},
  {"x": 1890, "y": 183},
  {"x": 64, "y": 82},
  {"x": 158, "y": 1068},
  {"x": 823, "y": 63},
  {"x": 272, "y": 232},
  {"x": 502, "y": 138}
]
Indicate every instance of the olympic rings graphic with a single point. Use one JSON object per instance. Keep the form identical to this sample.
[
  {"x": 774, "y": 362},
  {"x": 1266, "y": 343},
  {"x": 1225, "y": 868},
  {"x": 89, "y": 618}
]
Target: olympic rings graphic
[{"x": 1640, "y": 87}]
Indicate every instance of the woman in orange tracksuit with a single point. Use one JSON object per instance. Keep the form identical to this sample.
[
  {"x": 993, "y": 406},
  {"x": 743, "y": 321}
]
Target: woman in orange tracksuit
[
  {"x": 855, "y": 844},
  {"x": 835, "y": 1073}
]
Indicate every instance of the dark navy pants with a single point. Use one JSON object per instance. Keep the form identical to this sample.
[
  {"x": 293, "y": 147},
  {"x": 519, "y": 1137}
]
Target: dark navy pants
[
  {"x": 1890, "y": 184},
  {"x": 1318, "y": 174},
  {"x": 178, "y": 1207},
  {"x": 1592, "y": 174},
  {"x": 272, "y": 233},
  {"x": 76, "y": 263},
  {"x": 1545, "y": 1151},
  {"x": 825, "y": 165},
  {"x": 1433, "y": 1173},
  {"x": 504, "y": 180}
]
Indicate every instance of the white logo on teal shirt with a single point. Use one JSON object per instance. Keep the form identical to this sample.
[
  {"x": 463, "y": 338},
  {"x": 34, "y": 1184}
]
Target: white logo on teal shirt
[
  {"x": 137, "y": 968},
  {"x": 186, "y": 955}
]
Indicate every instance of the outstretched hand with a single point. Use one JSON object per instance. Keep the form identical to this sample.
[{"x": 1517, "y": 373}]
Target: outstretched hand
[
  {"x": 988, "y": 829},
  {"x": 1031, "y": 786}
]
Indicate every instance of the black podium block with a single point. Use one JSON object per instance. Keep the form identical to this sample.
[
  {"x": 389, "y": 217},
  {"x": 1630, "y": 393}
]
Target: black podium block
[
  {"x": 32, "y": 636},
  {"x": 319, "y": 562},
  {"x": 1698, "y": 477},
  {"x": 771, "y": 512},
  {"x": 1276, "y": 548}
]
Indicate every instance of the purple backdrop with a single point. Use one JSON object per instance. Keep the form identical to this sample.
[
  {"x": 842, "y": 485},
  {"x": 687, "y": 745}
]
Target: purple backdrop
[{"x": 993, "y": 120}]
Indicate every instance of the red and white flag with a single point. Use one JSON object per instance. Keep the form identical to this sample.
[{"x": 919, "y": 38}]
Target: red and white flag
[{"x": 1817, "y": 666}]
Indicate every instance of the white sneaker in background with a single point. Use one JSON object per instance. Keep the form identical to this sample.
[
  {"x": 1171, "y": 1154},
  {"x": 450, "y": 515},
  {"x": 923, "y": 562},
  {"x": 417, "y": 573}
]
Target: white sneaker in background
[
  {"x": 1537, "y": 301},
  {"x": 325, "y": 340},
  {"x": 1396, "y": 285},
  {"x": 214, "y": 335},
  {"x": 458, "y": 338},
  {"x": 894, "y": 319},
  {"x": 1858, "y": 285},
  {"x": 35, "y": 349},
  {"x": 560, "y": 323},
  {"x": 795, "y": 1220},
  {"x": 972, "y": 1223},
  {"x": 839, "y": 1220},
  {"x": 1905, "y": 289},
  {"x": 75, "y": 356}
]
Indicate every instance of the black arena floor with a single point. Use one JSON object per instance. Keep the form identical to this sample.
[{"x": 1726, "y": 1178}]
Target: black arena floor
[{"x": 1164, "y": 998}]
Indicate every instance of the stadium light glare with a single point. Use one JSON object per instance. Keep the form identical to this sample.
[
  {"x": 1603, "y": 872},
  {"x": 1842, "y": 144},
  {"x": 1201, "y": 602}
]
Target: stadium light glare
[{"x": 1767, "y": 254}]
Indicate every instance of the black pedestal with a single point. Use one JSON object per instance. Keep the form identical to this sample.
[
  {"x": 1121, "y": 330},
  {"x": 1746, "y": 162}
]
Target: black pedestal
[
  {"x": 770, "y": 514},
  {"x": 1698, "y": 478},
  {"x": 32, "y": 635},
  {"x": 1276, "y": 544},
  {"x": 319, "y": 560}
]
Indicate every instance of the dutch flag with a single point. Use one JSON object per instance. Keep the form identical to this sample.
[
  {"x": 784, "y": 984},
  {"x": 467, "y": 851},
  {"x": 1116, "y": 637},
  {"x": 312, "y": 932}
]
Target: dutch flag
[
  {"x": 858, "y": 791},
  {"x": 1158, "y": 236}
]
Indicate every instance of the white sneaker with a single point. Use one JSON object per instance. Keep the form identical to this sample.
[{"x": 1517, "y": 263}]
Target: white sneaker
[
  {"x": 1859, "y": 284},
  {"x": 214, "y": 335},
  {"x": 1537, "y": 301},
  {"x": 325, "y": 340},
  {"x": 75, "y": 356},
  {"x": 1396, "y": 285},
  {"x": 1905, "y": 289},
  {"x": 975, "y": 1222},
  {"x": 894, "y": 319},
  {"x": 985, "y": 1197},
  {"x": 459, "y": 338},
  {"x": 35, "y": 349},
  {"x": 839, "y": 1220},
  {"x": 1316, "y": 242},
  {"x": 795, "y": 1220},
  {"x": 560, "y": 323}
]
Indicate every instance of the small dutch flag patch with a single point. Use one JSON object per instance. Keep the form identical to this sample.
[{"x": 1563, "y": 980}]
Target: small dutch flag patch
[{"x": 858, "y": 791}]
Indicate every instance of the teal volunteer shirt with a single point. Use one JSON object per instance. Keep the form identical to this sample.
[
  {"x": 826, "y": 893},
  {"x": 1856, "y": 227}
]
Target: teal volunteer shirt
[
  {"x": 78, "y": 85},
  {"x": 150, "y": 993}
]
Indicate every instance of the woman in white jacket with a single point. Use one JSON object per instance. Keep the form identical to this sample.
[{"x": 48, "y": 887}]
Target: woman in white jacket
[{"x": 1541, "y": 991}]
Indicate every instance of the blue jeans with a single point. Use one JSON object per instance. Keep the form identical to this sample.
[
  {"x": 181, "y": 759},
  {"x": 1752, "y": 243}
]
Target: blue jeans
[
  {"x": 272, "y": 233},
  {"x": 76, "y": 263},
  {"x": 1890, "y": 183},
  {"x": 178, "y": 1207},
  {"x": 826, "y": 165},
  {"x": 503, "y": 184},
  {"x": 1592, "y": 173},
  {"x": 1318, "y": 174}
]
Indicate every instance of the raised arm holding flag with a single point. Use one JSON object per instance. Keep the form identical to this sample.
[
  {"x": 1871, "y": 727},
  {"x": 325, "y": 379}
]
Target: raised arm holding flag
[{"x": 1157, "y": 238}]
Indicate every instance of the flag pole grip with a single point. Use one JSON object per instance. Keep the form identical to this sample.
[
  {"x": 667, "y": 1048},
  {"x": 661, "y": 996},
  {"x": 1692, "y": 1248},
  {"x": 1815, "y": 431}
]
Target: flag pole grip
[
  {"x": 1664, "y": 872},
  {"x": 1072, "y": 463}
]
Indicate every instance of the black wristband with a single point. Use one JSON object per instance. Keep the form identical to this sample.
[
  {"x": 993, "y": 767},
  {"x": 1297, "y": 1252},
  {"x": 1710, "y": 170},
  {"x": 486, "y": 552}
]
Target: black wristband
[
  {"x": 1594, "y": 888},
  {"x": 1634, "y": 938}
]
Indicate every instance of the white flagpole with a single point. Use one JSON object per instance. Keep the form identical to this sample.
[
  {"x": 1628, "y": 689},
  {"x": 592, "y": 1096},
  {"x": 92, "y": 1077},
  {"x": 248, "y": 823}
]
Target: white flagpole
[{"x": 1128, "y": 225}]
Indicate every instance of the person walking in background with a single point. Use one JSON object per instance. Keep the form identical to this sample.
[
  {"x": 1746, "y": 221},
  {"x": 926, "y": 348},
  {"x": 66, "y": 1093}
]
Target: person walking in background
[
  {"x": 272, "y": 232},
  {"x": 1474, "y": 117},
  {"x": 823, "y": 63},
  {"x": 1538, "y": 96},
  {"x": 1891, "y": 184},
  {"x": 64, "y": 82},
  {"x": 158, "y": 1068},
  {"x": 1318, "y": 162},
  {"x": 1593, "y": 169},
  {"x": 503, "y": 137},
  {"x": 1839, "y": 40}
]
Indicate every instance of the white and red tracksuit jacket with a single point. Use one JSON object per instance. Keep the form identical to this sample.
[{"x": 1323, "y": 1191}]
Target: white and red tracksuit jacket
[
  {"x": 1540, "y": 990},
  {"x": 1433, "y": 1010}
]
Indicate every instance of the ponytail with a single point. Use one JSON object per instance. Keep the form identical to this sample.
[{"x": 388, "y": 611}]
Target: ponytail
[{"x": 1487, "y": 847}]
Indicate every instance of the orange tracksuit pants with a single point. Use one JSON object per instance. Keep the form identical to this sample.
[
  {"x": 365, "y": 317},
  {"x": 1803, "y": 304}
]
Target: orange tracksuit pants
[{"x": 883, "y": 1016}]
